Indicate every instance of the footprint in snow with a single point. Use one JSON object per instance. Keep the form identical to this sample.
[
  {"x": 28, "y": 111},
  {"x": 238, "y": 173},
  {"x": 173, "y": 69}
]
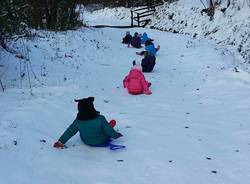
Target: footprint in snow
[
  {"x": 15, "y": 142},
  {"x": 123, "y": 112},
  {"x": 43, "y": 141}
]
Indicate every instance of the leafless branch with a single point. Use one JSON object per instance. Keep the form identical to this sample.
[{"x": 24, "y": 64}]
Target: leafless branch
[
  {"x": 1, "y": 85},
  {"x": 203, "y": 4}
]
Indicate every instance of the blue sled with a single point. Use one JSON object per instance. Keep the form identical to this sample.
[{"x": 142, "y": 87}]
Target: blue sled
[{"x": 111, "y": 146}]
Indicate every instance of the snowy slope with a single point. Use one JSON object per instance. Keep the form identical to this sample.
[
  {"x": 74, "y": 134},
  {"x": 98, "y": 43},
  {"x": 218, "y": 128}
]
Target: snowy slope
[
  {"x": 107, "y": 16},
  {"x": 194, "y": 128},
  {"x": 229, "y": 28}
]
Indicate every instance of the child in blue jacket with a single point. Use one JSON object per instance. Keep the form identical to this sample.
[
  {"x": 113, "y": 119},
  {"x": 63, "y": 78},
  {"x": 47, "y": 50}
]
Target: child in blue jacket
[
  {"x": 144, "y": 38},
  {"x": 150, "y": 48}
]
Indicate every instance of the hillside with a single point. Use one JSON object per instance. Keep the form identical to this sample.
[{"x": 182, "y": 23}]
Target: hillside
[{"x": 194, "y": 128}]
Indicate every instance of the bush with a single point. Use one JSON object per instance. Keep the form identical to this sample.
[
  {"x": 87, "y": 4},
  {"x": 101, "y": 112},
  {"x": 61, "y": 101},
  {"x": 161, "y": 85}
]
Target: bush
[{"x": 16, "y": 15}]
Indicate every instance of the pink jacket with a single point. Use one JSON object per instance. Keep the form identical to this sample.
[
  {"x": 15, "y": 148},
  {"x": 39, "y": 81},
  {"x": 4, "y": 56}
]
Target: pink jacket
[{"x": 135, "y": 82}]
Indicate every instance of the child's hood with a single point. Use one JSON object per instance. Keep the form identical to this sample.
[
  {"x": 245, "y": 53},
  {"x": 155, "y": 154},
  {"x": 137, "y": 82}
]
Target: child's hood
[
  {"x": 145, "y": 36},
  {"x": 135, "y": 71}
]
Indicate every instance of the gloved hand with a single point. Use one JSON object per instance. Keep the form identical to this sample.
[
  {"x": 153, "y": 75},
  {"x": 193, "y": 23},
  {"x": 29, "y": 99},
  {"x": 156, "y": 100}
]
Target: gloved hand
[
  {"x": 58, "y": 144},
  {"x": 120, "y": 135},
  {"x": 112, "y": 123},
  {"x": 148, "y": 92},
  {"x": 124, "y": 83}
]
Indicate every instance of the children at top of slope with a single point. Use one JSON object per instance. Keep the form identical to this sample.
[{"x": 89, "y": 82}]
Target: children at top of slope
[
  {"x": 148, "y": 62},
  {"x": 93, "y": 127},
  {"x": 137, "y": 40},
  {"x": 135, "y": 81},
  {"x": 128, "y": 38}
]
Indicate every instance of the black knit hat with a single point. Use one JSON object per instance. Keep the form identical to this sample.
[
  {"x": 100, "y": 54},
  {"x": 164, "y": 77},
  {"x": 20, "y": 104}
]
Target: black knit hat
[{"x": 86, "y": 109}]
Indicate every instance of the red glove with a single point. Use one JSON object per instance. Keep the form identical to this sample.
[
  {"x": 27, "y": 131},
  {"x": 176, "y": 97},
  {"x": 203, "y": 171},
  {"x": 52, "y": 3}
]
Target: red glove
[
  {"x": 112, "y": 123},
  {"x": 58, "y": 144}
]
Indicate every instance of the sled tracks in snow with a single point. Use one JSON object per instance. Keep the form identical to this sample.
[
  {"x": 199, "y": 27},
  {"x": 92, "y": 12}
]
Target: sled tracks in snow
[
  {"x": 121, "y": 27},
  {"x": 108, "y": 26}
]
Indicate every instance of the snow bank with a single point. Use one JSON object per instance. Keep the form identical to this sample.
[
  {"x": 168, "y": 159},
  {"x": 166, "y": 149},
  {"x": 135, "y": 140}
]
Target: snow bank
[
  {"x": 231, "y": 27},
  {"x": 34, "y": 62},
  {"x": 114, "y": 16}
]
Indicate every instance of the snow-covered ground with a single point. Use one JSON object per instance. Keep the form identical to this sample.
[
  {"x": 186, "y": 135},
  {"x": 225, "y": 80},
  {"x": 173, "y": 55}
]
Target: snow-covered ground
[
  {"x": 194, "y": 128},
  {"x": 230, "y": 26},
  {"x": 107, "y": 16}
]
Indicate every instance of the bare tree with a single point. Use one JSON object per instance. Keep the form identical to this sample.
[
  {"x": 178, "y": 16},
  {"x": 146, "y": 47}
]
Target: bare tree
[{"x": 209, "y": 7}]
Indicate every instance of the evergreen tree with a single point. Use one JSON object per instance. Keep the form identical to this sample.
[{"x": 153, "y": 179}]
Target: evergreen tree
[{"x": 16, "y": 15}]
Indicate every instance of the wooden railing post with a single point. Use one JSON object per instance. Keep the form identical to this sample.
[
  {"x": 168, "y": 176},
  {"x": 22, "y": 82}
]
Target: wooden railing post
[
  {"x": 132, "y": 18},
  {"x": 138, "y": 19},
  {"x": 1, "y": 85},
  {"x": 138, "y": 14}
]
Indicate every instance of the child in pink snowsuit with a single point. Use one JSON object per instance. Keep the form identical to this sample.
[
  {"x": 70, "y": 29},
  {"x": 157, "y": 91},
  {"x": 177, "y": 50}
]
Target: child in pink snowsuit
[{"x": 135, "y": 82}]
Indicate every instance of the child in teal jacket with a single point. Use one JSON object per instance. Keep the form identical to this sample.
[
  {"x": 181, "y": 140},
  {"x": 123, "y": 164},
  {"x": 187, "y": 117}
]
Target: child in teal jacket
[{"x": 94, "y": 129}]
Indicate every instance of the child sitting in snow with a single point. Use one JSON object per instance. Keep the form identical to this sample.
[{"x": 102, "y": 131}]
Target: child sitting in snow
[
  {"x": 148, "y": 62},
  {"x": 144, "y": 38},
  {"x": 127, "y": 39},
  {"x": 150, "y": 48},
  {"x": 136, "y": 41},
  {"x": 93, "y": 127},
  {"x": 135, "y": 81}
]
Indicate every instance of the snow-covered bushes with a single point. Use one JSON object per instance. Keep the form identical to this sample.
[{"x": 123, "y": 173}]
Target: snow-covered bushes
[
  {"x": 18, "y": 15},
  {"x": 230, "y": 24}
]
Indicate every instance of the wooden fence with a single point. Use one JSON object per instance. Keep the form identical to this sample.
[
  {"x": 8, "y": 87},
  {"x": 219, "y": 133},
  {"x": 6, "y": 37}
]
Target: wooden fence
[{"x": 140, "y": 17}]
